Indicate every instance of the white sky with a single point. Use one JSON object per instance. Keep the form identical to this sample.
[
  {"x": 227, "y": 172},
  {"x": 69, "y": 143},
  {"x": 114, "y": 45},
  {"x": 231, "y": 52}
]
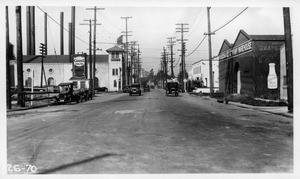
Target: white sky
[{"x": 151, "y": 26}]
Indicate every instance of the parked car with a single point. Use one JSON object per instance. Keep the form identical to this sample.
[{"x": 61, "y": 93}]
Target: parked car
[
  {"x": 147, "y": 88},
  {"x": 126, "y": 89},
  {"x": 101, "y": 89},
  {"x": 67, "y": 93},
  {"x": 135, "y": 88}
]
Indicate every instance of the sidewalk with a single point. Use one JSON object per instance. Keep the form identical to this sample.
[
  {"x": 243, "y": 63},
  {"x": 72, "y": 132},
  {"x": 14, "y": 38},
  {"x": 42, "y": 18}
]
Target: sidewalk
[
  {"x": 278, "y": 110},
  {"x": 98, "y": 96}
]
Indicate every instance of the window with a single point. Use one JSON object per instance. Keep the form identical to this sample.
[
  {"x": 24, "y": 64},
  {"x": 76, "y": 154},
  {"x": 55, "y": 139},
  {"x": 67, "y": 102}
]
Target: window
[
  {"x": 113, "y": 71},
  {"x": 115, "y": 83},
  {"x": 116, "y": 71},
  {"x": 114, "y": 55},
  {"x": 82, "y": 84},
  {"x": 75, "y": 84},
  {"x": 50, "y": 81},
  {"x": 51, "y": 71}
]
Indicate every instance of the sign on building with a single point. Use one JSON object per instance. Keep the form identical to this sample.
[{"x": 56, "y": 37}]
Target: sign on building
[{"x": 79, "y": 66}]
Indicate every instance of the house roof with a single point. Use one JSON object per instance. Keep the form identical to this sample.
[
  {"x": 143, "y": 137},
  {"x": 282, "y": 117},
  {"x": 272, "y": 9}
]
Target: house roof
[
  {"x": 58, "y": 59},
  {"x": 225, "y": 46},
  {"x": 257, "y": 37},
  {"x": 115, "y": 49}
]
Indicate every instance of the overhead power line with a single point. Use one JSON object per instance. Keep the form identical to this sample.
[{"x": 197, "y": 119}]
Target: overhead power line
[
  {"x": 230, "y": 20},
  {"x": 60, "y": 25},
  {"x": 217, "y": 30}
]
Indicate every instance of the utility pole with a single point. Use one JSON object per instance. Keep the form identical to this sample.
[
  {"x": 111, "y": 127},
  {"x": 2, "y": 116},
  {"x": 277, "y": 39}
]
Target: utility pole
[
  {"x": 90, "y": 53},
  {"x": 133, "y": 61},
  {"x": 182, "y": 29},
  {"x": 165, "y": 65},
  {"x": 8, "y": 83},
  {"x": 209, "y": 53},
  {"x": 94, "y": 44},
  {"x": 43, "y": 52},
  {"x": 162, "y": 72},
  {"x": 126, "y": 49},
  {"x": 289, "y": 57},
  {"x": 139, "y": 66},
  {"x": 171, "y": 44},
  {"x": 45, "y": 35},
  {"x": 21, "y": 101}
]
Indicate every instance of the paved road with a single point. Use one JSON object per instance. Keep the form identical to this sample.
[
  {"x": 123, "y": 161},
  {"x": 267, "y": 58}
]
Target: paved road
[{"x": 151, "y": 133}]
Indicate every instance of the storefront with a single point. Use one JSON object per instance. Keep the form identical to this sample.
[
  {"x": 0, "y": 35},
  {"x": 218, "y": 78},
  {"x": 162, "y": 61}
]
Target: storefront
[{"x": 251, "y": 65}]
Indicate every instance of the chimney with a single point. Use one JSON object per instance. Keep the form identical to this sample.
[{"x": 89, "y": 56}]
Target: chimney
[
  {"x": 62, "y": 33},
  {"x": 73, "y": 29},
  {"x": 32, "y": 23},
  {"x": 28, "y": 30}
]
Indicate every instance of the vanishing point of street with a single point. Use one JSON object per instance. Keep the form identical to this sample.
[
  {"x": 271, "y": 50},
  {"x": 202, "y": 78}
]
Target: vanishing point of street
[{"x": 151, "y": 133}]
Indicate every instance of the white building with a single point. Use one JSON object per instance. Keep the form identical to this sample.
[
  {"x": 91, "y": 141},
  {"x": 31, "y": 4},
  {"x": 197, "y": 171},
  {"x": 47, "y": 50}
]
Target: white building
[
  {"x": 115, "y": 68},
  {"x": 200, "y": 72},
  {"x": 58, "y": 69}
]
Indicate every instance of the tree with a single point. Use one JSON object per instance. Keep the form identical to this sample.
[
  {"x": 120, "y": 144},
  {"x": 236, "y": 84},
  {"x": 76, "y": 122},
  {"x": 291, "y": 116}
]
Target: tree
[{"x": 179, "y": 76}]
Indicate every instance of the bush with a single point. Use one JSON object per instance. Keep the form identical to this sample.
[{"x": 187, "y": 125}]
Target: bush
[{"x": 251, "y": 100}]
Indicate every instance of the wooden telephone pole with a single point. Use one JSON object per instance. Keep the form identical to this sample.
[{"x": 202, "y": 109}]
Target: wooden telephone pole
[
  {"x": 289, "y": 56},
  {"x": 182, "y": 29},
  {"x": 171, "y": 44},
  {"x": 21, "y": 101},
  {"x": 211, "y": 85},
  {"x": 94, "y": 44},
  {"x": 126, "y": 49},
  {"x": 90, "y": 53},
  {"x": 8, "y": 83}
]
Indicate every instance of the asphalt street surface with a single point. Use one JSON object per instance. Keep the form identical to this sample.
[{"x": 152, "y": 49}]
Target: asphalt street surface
[{"x": 152, "y": 133}]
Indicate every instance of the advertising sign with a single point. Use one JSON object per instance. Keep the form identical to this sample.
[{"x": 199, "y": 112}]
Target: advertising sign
[
  {"x": 247, "y": 46},
  {"x": 79, "y": 66}
]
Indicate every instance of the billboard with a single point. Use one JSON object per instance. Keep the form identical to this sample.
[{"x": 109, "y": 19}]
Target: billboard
[{"x": 79, "y": 66}]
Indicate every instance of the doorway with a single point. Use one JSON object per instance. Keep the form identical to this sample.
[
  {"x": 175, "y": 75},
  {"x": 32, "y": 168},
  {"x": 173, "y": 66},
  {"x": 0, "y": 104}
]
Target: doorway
[{"x": 238, "y": 78}]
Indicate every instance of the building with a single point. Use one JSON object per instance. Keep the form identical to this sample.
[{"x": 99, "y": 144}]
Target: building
[
  {"x": 115, "y": 68},
  {"x": 244, "y": 66},
  {"x": 59, "y": 69},
  {"x": 200, "y": 73}
]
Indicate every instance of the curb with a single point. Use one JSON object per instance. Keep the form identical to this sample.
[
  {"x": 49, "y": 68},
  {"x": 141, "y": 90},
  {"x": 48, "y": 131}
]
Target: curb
[
  {"x": 52, "y": 104},
  {"x": 285, "y": 114}
]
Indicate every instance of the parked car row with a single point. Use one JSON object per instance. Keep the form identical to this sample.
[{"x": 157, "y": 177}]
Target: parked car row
[{"x": 67, "y": 94}]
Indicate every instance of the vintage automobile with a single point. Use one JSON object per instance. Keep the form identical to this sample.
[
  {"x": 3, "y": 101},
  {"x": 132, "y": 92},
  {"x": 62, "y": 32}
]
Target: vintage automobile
[
  {"x": 172, "y": 88},
  {"x": 135, "y": 88},
  {"x": 67, "y": 93},
  {"x": 126, "y": 89},
  {"x": 147, "y": 88},
  {"x": 101, "y": 89}
]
